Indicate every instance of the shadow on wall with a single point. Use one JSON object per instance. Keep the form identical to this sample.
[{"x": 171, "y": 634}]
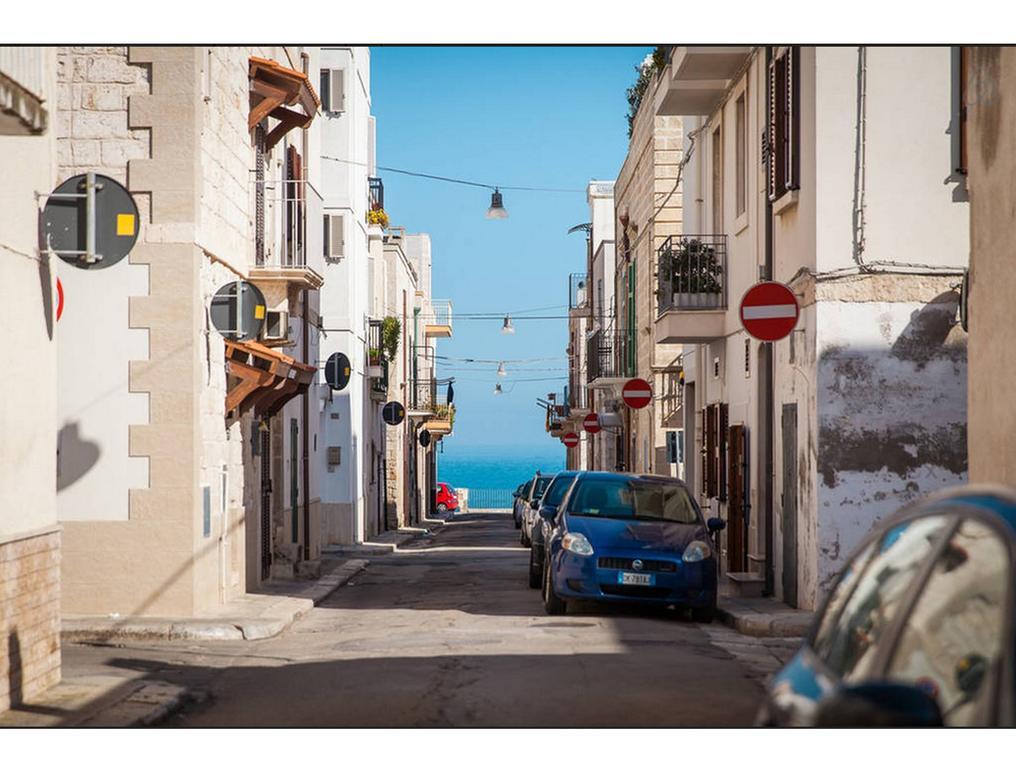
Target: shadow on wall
[
  {"x": 46, "y": 287},
  {"x": 898, "y": 408},
  {"x": 75, "y": 456},
  {"x": 14, "y": 669}
]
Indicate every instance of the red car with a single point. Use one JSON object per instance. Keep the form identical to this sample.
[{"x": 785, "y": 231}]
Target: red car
[{"x": 446, "y": 498}]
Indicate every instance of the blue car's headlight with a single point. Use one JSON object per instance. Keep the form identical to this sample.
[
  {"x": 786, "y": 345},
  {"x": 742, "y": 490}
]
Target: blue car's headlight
[
  {"x": 696, "y": 552},
  {"x": 577, "y": 543}
]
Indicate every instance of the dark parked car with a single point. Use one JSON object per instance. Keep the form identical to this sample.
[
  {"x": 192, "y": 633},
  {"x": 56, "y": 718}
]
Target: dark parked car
[
  {"x": 918, "y": 628},
  {"x": 631, "y": 538},
  {"x": 533, "y": 492},
  {"x": 545, "y": 514},
  {"x": 521, "y": 495}
]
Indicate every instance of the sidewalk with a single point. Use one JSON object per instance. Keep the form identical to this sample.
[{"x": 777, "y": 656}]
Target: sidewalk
[
  {"x": 90, "y": 696},
  {"x": 386, "y": 542},
  {"x": 254, "y": 616},
  {"x": 762, "y": 616}
]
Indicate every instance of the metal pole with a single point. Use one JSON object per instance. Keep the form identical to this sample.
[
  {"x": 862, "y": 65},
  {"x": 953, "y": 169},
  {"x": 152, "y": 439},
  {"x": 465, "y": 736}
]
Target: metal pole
[
  {"x": 767, "y": 383},
  {"x": 90, "y": 257}
]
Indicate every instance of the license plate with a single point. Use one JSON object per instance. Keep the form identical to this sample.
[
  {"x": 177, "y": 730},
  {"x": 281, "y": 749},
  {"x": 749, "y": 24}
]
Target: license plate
[{"x": 638, "y": 579}]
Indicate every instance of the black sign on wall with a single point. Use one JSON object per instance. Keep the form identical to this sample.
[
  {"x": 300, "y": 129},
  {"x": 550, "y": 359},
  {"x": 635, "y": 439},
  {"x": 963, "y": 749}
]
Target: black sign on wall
[
  {"x": 338, "y": 371},
  {"x": 424, "y": 438},
  {"x": 393, "y": 413}
]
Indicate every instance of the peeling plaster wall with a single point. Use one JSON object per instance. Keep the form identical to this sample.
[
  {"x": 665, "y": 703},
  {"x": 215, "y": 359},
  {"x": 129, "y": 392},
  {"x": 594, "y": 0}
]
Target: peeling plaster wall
[{"x": 891, "y": 414}]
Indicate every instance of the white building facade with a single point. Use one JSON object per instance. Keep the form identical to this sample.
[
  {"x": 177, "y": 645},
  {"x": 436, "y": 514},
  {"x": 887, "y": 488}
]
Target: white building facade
[{"x": 853, "y": 206}]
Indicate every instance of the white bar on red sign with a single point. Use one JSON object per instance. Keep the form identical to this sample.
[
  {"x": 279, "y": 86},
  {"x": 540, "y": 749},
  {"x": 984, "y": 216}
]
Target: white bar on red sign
[{"x": 768, "y": 312}]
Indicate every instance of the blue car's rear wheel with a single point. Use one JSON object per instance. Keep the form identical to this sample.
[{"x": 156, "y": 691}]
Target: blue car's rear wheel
[{"x": 534, "y": 570}]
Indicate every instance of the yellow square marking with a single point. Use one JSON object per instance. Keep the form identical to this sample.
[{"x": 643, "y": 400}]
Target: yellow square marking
[
  {"x": 259, "y": 312},
  {"x": 124, "y": 224}
]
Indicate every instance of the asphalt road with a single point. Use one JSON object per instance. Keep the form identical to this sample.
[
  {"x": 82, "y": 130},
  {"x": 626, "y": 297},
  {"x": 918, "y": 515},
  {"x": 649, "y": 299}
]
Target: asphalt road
[{"x": 447, "y": 632}]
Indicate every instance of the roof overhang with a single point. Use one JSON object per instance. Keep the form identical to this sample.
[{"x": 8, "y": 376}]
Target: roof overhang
[
  {"x": 273, "y": 90},
  {"x": 262, "y": 378}
]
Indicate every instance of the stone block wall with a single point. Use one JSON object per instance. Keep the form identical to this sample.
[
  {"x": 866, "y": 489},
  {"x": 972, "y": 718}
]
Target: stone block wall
[{"x": 29, "y": 616}]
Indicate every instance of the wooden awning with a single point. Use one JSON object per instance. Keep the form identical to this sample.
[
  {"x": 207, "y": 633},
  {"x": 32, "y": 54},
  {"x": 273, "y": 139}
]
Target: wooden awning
[
  {"x": 262, "y": 378},
  {"x": 273, "y": 89}
]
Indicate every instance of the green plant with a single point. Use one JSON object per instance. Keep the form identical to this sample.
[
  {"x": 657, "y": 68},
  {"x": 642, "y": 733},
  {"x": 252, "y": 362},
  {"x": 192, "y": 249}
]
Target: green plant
[
  {"x": 373, "y": 356},
  {"x": 691, "y": 266},
  {"x": 649, "y": 68},
  {"x": 391, "y": 329},
  {"x": 446, "y": 412}
]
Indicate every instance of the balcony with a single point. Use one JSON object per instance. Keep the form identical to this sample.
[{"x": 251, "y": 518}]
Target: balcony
[
  {"x": 691, "y": 289},
  {"x": 438, "y": 325},
  {"x": 578, "y": 394},
  {"x": 287, "y": 261},
  {"x": 375, "y": 194},
  {"x": 607, "y": 358},
  {"x": 578, "y": 294},
  {"x": 431, "y": 396},
  {"x": 697, "y": 77},
  {"x": 377, "y": 363}
]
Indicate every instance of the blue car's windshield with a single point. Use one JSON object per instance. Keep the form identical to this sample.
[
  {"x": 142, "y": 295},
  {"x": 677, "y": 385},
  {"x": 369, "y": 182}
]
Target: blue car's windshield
[
  {"x": 558, "y": 489},
  {"x": 631, "y": 498}
]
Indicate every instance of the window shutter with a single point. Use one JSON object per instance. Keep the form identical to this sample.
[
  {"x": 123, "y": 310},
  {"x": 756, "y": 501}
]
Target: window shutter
[
  {"x": 771, "y": 137},
  {"x": 792, "y": 63},
  {"x": 337, "y": 93},
  {"x": 721, "y": 453},
  {"x": 334, "y": 236},
  {"x": 325, "y": 92}
]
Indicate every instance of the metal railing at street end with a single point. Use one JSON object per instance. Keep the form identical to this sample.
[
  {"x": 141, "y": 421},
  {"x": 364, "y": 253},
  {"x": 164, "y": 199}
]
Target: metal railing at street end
[{"x": 488, "y": 498}]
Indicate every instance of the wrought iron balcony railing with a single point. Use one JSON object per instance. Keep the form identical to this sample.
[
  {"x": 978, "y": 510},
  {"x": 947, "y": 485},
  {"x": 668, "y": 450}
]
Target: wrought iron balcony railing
[
  {"x": 377, "y": 363},
  {"x": 429, "y": 394},
  {"x": 376, "y": 193},
  {"x": 691, "y": 273},
  {"x": 578, "y": 290},
  {"x": 607, "y": 355}
]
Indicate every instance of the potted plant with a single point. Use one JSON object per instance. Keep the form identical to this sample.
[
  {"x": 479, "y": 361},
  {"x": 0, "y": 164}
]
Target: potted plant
[
  {"x": 391, "y": 329},
  {"x": 692, "y": 274},
  {"x": 377, "y": 217},
  {"x": 374, "y": 360}
]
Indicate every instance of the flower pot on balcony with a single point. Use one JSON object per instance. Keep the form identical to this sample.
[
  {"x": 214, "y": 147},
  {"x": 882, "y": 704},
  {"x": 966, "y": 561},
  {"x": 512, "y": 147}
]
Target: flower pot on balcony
[{"x": 375, "y": 371}]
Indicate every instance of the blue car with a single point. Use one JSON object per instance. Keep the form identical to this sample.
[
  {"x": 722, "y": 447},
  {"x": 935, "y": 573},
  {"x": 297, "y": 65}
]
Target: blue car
[
  {"x": 918, "y": 628},
  {"x": 631, "y": 538}
]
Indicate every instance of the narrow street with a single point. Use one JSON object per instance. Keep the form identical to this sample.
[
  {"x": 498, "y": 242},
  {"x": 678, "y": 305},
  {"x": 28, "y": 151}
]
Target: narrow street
[{"x": 446, "y": 632}]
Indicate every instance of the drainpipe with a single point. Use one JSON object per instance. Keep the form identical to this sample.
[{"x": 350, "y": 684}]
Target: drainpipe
[
  {"x": 306, "y": 429},
  {"x": 767, "y": 376}
]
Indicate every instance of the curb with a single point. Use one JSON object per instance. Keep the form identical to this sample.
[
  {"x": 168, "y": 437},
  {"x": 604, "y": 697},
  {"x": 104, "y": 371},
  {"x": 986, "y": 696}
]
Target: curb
[
  {"x": 110, "y": 631},
  {"x": 789, "y": 625}
]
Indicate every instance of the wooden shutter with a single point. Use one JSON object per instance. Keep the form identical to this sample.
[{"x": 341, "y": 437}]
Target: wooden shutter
[
  {"x": 337, "y": 91},
  {"x": 709, "y": 475},
  {"x": 325, "y": 90},
  {"x": 771, "y": 137},
  {"x": 334, "y": 236},
  {"x": 721, "y": 451},
  {"x": 792, "y": 117}
]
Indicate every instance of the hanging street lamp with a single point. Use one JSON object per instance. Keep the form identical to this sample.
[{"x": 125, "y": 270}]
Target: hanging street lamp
[
  {"x": 507, "y": 327},
  {"x": 497, "y": 209}
]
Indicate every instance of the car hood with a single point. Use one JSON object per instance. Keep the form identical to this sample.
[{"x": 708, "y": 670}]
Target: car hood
[{"x": 636, "y": 534}]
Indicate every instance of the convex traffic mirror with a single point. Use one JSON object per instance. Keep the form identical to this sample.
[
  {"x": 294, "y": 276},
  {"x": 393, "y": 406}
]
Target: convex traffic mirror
[{"x": 238, "y": 311}]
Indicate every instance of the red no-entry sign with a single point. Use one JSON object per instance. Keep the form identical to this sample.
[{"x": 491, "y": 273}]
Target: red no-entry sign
[
  {"x": 769, "y": 311},
  {"x": 637, "y": 393},
  {"x": 591, "y": 423},
  {"x": 571, "y": 439}
]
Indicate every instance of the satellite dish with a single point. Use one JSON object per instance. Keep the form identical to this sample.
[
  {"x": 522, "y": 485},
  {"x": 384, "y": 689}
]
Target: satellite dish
[
  {"x": 90, "y": 221},
  {"x": 337, "y": 371},
  {"x": 238, "y": 311}
]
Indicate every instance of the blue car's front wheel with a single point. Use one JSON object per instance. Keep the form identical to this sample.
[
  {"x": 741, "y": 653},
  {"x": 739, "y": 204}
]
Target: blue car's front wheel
[{"x": 553, "y": 604}]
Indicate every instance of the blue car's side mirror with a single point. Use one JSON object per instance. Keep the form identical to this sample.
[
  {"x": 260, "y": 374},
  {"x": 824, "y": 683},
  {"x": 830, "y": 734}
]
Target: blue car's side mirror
[{"x": 715, "y": 524}]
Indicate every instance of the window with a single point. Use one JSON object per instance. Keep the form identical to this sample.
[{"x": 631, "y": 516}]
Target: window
[
  {"x": 953, "y": 638},
  {"x": 714, "y": 459},
  {"x": 740, "y": 157},
  {"x": 850, "y": 643},
  {"x": 333, "y": 94},
  {"x": 718, "y": 181},
  {"x": 783, "y": 139},
  {"x": 334, "y": 236}
]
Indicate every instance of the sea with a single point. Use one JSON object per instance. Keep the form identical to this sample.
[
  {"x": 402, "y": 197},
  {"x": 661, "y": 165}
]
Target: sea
[{"x": 501, "y": 467}]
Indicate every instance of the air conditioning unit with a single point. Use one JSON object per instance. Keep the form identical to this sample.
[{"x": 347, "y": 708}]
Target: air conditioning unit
[{"x": 276, "y": 326}]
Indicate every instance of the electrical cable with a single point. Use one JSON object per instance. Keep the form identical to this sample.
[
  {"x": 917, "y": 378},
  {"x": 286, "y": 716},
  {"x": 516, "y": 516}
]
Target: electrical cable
[{"x": 451, "y": 179}]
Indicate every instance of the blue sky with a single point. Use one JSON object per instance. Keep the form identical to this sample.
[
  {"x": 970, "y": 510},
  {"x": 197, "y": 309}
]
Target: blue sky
[{"x": 549, "y": 117}]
